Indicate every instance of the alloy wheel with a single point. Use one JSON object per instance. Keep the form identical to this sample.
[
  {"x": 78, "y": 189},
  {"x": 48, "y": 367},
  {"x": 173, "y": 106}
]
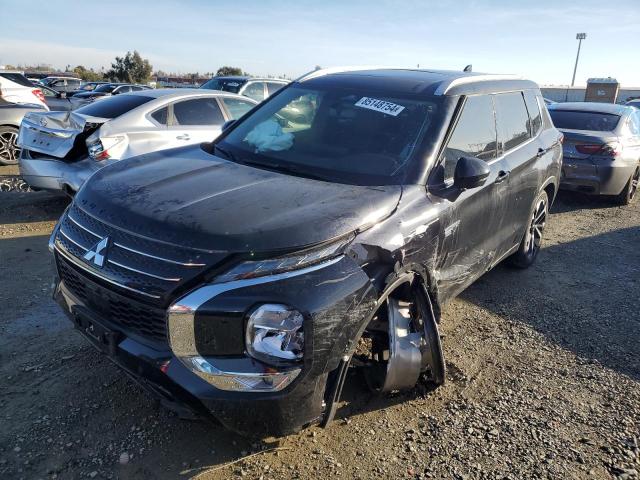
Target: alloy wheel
[
  {"x": 8, "y": 147},
  {"x": 538, "y": 222}
]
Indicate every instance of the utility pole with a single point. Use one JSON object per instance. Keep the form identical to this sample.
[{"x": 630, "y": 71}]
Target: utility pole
[{"x": 579, "y": 37}]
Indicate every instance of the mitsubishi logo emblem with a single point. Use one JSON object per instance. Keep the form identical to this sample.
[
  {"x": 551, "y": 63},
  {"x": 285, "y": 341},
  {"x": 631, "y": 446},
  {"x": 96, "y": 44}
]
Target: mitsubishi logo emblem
[{"x": 98, "y": 252}]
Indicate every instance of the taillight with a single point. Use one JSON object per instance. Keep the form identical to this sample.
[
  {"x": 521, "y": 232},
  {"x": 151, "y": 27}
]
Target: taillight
[
  {"x": 607, "y": 149},
  {"x": 38, "y": 93},
  {"x": 588, "y": 149},
  {"x": 105, "y": 147}
]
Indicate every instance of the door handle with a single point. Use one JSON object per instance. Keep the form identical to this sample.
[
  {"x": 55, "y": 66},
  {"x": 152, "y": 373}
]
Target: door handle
[
  {"x": 542, "y": 151},
  {"x": 183, "y": 137},
  {"x": 502, "y": 176}
]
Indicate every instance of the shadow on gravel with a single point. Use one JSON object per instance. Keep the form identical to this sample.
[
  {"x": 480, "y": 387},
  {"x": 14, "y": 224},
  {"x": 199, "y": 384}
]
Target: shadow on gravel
[
  {"x": 582, "y": 295},
  {"x": 567, "y": 201},
  {"x": 23, "y": 207}
]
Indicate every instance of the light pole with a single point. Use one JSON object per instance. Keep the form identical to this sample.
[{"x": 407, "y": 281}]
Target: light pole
[{"x": 579, "y": 37}]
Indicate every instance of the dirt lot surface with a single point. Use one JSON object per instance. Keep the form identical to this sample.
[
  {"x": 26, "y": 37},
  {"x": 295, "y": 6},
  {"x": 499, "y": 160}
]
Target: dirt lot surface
[{"x": 543, "y": 377}]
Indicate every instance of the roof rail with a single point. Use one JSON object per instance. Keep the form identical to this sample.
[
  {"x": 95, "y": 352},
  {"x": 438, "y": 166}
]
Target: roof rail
[
  {"x": 329, "y": 70},
  {"x": 445, "y": 86}
]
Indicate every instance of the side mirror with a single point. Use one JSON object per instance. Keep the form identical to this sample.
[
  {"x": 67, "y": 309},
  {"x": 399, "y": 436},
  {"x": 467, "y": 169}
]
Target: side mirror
[
  {"x": 471, "y": 172},
  {"x": 62, "y": 95},
  {"x": 227, "y": 124}
]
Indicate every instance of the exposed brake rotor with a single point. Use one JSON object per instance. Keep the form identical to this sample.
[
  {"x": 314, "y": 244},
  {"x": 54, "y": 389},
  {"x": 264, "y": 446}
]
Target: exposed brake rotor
[{"x": 413, "y": 347}]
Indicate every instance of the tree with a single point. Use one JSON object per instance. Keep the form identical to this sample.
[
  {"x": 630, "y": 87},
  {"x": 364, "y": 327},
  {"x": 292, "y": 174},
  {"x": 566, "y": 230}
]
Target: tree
[
  {"x": 131, "y": 68},
  {"x": 87, "y": 75},
  {"x": 228, "y": 71}
]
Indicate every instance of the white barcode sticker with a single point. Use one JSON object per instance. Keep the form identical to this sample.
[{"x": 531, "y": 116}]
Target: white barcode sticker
[{"x": 380, "y": 106}]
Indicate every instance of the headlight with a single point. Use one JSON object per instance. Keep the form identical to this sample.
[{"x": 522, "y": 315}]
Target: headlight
[
  {"x": 275, "y": 333},
  {"x": 295, "y": 261}
]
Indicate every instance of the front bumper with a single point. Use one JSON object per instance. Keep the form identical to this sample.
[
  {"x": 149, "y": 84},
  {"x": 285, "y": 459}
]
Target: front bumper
[
  {"x": 602, "y": 177},
  {"x": 56, "y": 175},
  {"x": 156, "y": 367}
]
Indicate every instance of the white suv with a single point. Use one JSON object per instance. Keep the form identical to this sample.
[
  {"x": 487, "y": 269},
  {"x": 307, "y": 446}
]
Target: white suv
[{"x": 16, "y": 88}]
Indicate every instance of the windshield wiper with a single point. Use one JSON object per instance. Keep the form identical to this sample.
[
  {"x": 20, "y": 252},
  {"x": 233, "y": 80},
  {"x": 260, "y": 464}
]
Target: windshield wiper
[{"x": 278, "y": 167}]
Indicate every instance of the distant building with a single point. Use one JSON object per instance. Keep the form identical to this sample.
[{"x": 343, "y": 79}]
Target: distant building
[{"x": 579, "y": 94}]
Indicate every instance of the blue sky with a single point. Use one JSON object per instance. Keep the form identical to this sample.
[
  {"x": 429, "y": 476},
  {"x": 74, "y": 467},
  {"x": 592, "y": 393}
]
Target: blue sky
[{"x": 535, "y": 39}]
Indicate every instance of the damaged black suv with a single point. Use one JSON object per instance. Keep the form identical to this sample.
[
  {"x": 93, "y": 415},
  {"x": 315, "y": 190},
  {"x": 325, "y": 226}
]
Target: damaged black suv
[{"x": 240, "y": 279}]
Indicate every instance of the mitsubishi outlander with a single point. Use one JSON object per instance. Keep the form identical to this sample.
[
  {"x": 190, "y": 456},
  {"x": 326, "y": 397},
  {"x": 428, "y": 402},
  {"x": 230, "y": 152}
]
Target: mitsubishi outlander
[{"x": 326, "y": 228}]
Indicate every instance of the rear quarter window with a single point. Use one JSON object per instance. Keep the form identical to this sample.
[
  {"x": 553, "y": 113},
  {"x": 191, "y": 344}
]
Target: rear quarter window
[
  {"x": 592, "y": 121},
  {"x": 113, "y": 107},
  {"x": 535, "y": 122}
]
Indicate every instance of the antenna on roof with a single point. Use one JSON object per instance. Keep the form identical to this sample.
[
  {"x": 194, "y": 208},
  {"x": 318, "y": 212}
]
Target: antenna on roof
[{"x": 468, "y": 68}]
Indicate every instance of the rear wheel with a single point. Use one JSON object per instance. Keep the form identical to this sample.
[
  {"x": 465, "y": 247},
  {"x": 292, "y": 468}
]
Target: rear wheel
[
  {"x": 530, "y": 245},
  {"x": 8, "y": 146},
  {"x": 628, "y": 193}
]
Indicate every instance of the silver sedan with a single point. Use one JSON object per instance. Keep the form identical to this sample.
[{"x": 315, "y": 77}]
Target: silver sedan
[
  {"x": 60, "y": 150},
  {"x": 601, "y": 148}
]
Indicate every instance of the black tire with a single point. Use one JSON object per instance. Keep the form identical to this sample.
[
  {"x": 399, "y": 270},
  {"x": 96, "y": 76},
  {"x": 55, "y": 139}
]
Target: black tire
[
  {"x": 628, "y": 193},
  {"x": 530, "y": 244},
  {"x": 8, "y": 148}
]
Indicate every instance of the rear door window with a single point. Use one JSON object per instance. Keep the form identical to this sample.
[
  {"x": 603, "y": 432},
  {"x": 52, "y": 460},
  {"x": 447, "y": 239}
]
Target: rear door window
[
  {"x": 198, "y": 111},
  {"x": 17, "y": 78},
  {"x": 512, "y": 119},
  {"x": 474, "y": 134},
  {"x": 113, "y": 107},
  {"x": 255, "y": 90},
  {"x": 237, "y": 107}
]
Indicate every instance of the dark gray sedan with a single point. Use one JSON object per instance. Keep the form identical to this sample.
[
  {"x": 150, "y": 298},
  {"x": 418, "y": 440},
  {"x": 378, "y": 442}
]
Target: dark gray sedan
[
  {"x": 56, "y": 101},
  {"x": 601, "y": 148}
]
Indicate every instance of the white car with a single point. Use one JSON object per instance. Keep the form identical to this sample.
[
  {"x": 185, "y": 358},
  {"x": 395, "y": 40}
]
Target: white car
[
  {"x": 16, "y": 88},
  {"x": 60, "y": 150}
]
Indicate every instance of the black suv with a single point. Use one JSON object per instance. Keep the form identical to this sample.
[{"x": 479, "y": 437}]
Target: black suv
[{"x": 241, "y": 278}]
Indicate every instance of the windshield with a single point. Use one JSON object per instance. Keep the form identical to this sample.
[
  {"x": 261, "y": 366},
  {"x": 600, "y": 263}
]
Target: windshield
[
  {"x": 344, "y": 135},
  {"x": 593, "y": 121},
  {"x": 113, "y": 107},
  {"x": 225, "y": 84},
  {"x": 105, "y": 88}
]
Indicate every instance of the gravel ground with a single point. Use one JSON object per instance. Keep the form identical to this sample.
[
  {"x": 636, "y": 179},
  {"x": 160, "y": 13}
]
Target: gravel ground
[{"x": 543, "y": 377}]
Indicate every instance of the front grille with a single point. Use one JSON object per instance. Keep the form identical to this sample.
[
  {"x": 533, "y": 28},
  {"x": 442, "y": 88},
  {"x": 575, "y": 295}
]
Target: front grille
[
  {"x": 124, "y": 313},
  {"x": 138, "y": 278},
  {"x": 136, "y": 266}
]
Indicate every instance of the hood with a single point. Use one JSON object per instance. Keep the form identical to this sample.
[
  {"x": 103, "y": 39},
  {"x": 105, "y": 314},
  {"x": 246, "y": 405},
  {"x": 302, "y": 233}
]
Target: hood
[
  {"x": 55, "y": 133},
  {"x": 191, "y": 198}
]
